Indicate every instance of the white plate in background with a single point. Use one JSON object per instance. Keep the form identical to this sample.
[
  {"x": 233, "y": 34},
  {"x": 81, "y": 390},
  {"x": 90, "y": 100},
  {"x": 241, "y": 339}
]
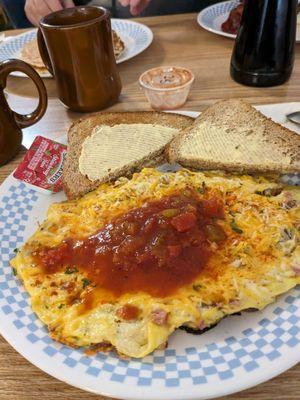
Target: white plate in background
[{"x": 212, "y": 17}]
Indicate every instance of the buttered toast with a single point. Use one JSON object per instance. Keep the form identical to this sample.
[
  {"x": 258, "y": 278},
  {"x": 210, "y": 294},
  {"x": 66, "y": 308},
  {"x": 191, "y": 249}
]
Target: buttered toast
[
  {"x": 233, "y": 136},
  {"x": 107, "y": 146}
]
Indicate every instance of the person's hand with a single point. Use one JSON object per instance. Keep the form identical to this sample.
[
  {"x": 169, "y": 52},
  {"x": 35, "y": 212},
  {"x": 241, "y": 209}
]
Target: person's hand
[
  {"x": 37, "y": 9},
  {"x": 136, "y": 6}
]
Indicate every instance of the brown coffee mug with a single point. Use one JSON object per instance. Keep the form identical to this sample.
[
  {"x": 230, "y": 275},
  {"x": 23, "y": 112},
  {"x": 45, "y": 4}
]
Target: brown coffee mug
[
  {"x": 76, "y": 47},
  {"x": 11, "y": 122}
]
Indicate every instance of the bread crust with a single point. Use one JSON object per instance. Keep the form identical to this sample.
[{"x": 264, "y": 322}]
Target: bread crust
[{"x": 74, "y": 183}]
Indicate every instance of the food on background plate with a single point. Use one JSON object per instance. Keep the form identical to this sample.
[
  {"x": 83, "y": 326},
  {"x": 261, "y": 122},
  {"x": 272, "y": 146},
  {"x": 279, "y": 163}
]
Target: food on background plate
[
  {"x": 30, "y": 52},
  {"x": 232, "y": 23},
  {"x": 166, "y": 88},
  {"x": 119, "y": 45},
  {"x": 130, "y": 262},
  {"x": 107, "y": 146},
  {"x": 233, "y": 136}
]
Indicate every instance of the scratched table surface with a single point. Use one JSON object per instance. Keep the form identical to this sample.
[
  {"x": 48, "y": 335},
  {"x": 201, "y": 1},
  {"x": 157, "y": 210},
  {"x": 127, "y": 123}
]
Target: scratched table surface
[{"x": 178, "y": 40}]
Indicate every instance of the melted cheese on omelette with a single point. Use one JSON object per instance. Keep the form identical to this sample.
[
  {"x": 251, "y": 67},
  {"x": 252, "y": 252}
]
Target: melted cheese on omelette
[{"x": 259, "y": 260}]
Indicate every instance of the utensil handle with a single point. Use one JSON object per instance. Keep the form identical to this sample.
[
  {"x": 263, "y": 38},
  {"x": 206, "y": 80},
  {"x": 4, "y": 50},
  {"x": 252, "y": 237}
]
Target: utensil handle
[
  {"x": 8, "y": 66},
  {"x": 44, "y": 51}
]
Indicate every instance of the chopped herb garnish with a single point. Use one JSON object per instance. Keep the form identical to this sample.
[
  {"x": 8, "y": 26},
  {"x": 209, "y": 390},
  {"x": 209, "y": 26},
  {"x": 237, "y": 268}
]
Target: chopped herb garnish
[
  {"x": 85, "y": 283},
  {"x": 14, "y": 271},
  {"x": 287, "y": 234},
  {"x": 71, "y": 270},
  {"x": 202, "y": 189},
  {"x": 197, "y": 287},
  {"x": 60, "y": 306},
  {"x": 234, "y": 227},
  {"x": 16, "y": 250}
]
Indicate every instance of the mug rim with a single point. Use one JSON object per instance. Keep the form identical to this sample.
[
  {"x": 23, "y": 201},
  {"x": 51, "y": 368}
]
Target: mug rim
[{"x": 45, "y": 24}]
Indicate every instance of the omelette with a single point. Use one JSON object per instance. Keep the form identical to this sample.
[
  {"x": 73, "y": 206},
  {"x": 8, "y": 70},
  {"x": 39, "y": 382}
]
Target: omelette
[{"x": 129, "y": 263}]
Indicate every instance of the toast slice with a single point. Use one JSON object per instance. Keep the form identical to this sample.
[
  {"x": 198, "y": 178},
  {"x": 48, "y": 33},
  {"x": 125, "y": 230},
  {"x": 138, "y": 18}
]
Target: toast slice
[
  {"x": 232, "y": 135},
  {"x": 117, "y": 148}
]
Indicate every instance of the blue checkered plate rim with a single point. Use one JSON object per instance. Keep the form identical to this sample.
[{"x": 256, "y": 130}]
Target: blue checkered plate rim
[
  {"x": 242, "y": 351},
  {"x": 212, "y": 17},
  {"x": 136, "y": 37}
]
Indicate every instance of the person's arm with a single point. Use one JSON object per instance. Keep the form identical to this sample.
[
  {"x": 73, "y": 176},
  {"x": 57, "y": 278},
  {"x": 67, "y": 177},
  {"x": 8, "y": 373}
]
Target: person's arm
[
  {"x": 136, "y": 6},
  {"x": 37, "y": 9}
]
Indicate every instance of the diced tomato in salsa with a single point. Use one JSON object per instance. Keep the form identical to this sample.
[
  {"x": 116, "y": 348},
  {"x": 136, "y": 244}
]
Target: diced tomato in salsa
[
  {"x": 184, "y": 222},
  {"x": 213, "y": 207}
]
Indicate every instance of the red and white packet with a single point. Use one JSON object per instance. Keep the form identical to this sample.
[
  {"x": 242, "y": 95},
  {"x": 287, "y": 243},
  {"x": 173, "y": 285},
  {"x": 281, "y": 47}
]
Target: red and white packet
[{"x": 42, "y": 165}]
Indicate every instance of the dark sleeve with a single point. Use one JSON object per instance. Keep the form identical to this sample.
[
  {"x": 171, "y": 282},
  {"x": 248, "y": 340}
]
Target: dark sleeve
[
  {"x": 81, "y": 2},
  {"x": 14, "y": 9}
]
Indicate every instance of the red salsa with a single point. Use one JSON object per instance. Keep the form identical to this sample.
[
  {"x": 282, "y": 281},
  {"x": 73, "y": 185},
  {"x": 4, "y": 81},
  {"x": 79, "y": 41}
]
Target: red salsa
[{"x": 156, "y": 248}]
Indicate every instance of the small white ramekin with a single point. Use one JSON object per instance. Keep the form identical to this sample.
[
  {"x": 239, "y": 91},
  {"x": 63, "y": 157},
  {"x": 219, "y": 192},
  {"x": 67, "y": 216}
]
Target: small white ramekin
[{"x": 166, "y": 95}]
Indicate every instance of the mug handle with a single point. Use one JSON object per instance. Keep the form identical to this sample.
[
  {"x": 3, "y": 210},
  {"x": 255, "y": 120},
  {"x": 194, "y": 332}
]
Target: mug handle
[
  {"x": 44, "y": 51},
  {"x": 8, "y": 66}
]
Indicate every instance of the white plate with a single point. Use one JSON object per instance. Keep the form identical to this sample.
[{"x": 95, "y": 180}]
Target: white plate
[
  {"x": 212, "y": 17},
  {"x": 242, "y": 351},
  {"x": 136, "y": 37}
]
